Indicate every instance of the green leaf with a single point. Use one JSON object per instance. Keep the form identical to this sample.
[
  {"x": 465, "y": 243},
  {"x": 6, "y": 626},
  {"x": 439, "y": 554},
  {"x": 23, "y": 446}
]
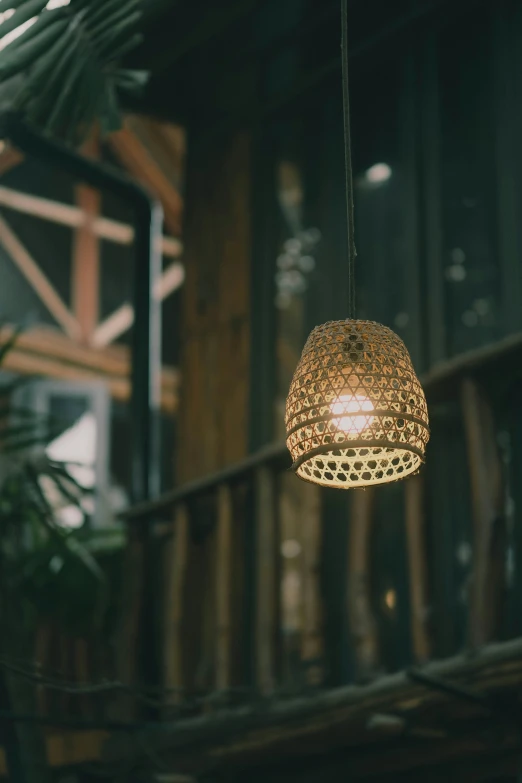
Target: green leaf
[
  {"x": 131, "y": 81},
  {"x": 25, "y": 12},
  {"x": 46, "y": 81},
  {"x": 61, "y": 470},
  {"x": 6, "y": 5},
  {"x": 17, "y": 58},
  {"x": 67, "y": 60},
  {"x": 110, "y": 115},
  {"x": 121, "y": 20}
]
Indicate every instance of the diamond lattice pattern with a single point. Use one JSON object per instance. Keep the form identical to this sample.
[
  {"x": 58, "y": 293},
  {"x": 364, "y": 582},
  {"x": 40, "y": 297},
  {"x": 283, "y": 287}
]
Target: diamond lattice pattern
[{"x": 356, "y": 413}]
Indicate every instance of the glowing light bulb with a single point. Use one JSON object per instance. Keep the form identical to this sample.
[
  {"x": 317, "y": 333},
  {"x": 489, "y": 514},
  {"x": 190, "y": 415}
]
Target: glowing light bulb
[{"x": 354, "y": 405}]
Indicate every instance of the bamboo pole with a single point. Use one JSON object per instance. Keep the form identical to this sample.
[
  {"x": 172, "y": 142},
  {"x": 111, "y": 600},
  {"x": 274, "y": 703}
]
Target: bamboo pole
[
  {"x": 363, "y": 628},
  {"x": 266, "y": 571},
  {"x": 223, "y": 588},
  {"x": 418, "y": 567}
]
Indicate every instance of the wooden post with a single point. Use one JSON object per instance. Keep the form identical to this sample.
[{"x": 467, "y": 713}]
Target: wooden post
[
  {"x": 488, "y": 520},
  {"x": 312, "y": 639},
  {"x": 266, "y": 573},
  {"x": 224, "y": 587},
  {"x": 176, "y": 561},
  {"x": 362, "y": 623},
  {"x": 86, "y": 255},
  {"x": 418, "y": 567}
]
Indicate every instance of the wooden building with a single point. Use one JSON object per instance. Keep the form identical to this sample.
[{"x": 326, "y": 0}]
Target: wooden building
[{"x": 288, "y": 632}]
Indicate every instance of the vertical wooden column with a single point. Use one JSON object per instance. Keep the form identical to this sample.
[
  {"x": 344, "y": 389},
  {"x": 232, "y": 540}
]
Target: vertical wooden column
[
  {"x": 485, "y": 470},
  {"x": 215, "y": 331},
  {"x": 418, "y": 566},
  {"x": 362, "y": 623},
  {"x": 86, "y": 255},
  {"x": 266, "y": 579},
  {"x": 214, "y": 399},
  {"x": 224, "y": 567},
  {"x": 175, "y": 571},
  {"x": 312, "y": 648}
]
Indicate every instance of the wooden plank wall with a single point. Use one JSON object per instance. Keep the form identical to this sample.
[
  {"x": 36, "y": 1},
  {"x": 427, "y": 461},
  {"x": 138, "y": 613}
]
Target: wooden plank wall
[
  {"x": 213, "y": 411},
  {"x": 215, "y": 329}
]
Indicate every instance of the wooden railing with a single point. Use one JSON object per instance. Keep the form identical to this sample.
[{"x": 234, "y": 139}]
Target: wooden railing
[{"x": 241, "y": 615}]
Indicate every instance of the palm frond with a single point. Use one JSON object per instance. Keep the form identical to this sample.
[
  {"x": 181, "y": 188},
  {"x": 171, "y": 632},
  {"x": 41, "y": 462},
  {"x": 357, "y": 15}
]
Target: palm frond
[{"x": 62, "y": 73}]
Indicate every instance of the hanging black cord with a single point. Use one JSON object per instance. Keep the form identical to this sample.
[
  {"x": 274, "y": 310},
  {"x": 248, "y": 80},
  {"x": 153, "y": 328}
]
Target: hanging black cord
[{"x": 352, "y": 252}]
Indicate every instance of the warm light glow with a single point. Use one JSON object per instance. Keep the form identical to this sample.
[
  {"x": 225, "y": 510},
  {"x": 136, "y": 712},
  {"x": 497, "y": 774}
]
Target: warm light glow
[
  {"x": 378, "y": 173},
  {"x": 390, "y": 599},
  {"x": 352, "y": 404}
]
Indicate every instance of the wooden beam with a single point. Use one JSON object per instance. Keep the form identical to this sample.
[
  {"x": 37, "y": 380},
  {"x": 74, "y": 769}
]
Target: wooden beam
[
  {"x": 418, "y": 567},
  {"x": 176, "y": 564},
  {"x": 38, "y": 281},
  {"x": 266, "y": 623},
  {"x": 122, "y": 319},
  {"x": 75, "y": 217},
  {"x": 86, "y": 255},
  {"x": 139, "y": 162},
  {"x": 49, "y": 353},
  {"x": 112, "y": 327},
  {"x": 166, "y": 143},
  {"x": 9, "y": 158},
  {"x": 223, "y": 588},
  {"x": 485, "y": 468}
]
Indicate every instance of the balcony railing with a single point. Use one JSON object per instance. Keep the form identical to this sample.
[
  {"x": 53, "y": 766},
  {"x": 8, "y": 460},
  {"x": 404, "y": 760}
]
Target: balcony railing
[{"x": 273, "y": 586}]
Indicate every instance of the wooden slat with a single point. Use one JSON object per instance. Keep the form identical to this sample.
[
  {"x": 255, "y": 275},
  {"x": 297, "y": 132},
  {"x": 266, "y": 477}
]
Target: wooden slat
[
  {"x": 38, "y": 281},
  {"x": 485, "y": 469},
  {"x": 418, "y": 567},
  {"x": 430, "y": 113},
  {"x": 224, "y": 588},
  {"x": 75, "y": 217},
  {"x": 165, "y": 142},
  {"x": 176, "y": 564},
  {"x": 81, "y": 671},
  {"x": 139, "y": 162},
  {"x": 266, "y": 573},
  {"x": 362, "y": 622},
  {"x": 312, "y": 645},
  {"x": 41, "y": 654},
  {"x": 86, "y": 255},
  {"x": 119, "y": 387},
  {"x": 70, "y": 748}
]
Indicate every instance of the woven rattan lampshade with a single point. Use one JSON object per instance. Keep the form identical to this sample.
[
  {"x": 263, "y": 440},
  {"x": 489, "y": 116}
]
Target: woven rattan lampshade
[{"x": 356, "y": 413}]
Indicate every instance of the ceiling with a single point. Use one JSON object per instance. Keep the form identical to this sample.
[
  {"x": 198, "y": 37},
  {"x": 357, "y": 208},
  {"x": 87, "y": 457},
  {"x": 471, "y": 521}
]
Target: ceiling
[{"x": 239, "y": 60}]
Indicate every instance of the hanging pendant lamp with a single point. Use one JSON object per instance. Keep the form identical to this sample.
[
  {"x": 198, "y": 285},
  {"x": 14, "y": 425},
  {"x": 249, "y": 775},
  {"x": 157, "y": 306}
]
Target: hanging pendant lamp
[{"x": 356, "y": 413}]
